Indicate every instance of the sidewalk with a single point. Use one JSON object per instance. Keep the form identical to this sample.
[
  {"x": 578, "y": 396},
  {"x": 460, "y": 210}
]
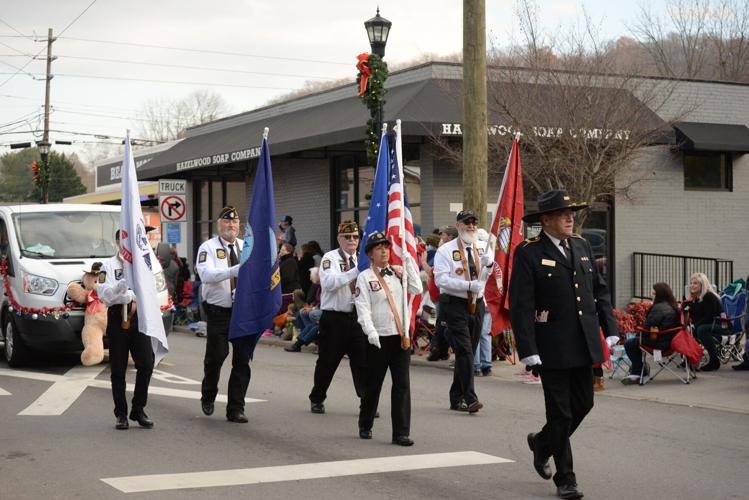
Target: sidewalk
[{"x": 723, "y": 390}]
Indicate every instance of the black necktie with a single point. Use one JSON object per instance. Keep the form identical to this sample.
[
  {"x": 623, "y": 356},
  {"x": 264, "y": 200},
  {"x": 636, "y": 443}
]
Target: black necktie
[
  {"x": 566, "y": 248},
  {"x": 351, "y": 263},
  {"x": 471, "y": 264},
  {"x": 233, "y": 261}
]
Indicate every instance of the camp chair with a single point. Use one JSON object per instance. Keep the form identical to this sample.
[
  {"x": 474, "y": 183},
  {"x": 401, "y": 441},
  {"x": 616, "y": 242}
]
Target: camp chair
[
  {"x": 619, "y": 362},
  {"x": 668, "y": 359},
  {"x": 729, "y": 345}
]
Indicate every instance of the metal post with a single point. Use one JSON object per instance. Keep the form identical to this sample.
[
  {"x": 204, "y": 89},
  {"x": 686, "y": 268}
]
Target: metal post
[{"x": 45, "y": 137}]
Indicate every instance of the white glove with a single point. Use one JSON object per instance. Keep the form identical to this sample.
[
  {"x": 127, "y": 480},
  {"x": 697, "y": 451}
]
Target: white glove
[
  {"x": 121, "y": 287},
  {"x": 374, "y": 339},
  {"x": 612, "y": 341},
  {"x": 234, "y": 270},
  {"x": 487, "y": 259},
  {"x": 532, "y": 360},
  {"x": 476, "y": 287}
]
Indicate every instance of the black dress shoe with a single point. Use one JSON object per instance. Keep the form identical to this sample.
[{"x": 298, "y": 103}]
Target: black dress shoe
[
  {"x": 437, "y": 355},
  {"x": 542, "y": 466},
  {"x": 569, "y": 491},
  {"x": 462, "y": 406},
  {"x": 744, "y": 365},
  {"x": 142, "y": 419},
  {"x": 207, "y": 408},
  {"x": 365, "y": 433},
  {"x": 403, "y": 441},
  {"x": 237, "y": 416},
  {"x": 474, "y": 407},
  {"x": 121, "y": 424},
  {"x": 317, "y": 408},
  {"x": 295, "y": 347}
]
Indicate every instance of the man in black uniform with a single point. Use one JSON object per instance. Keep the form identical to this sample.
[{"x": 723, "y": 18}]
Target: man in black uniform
[
  {"x": 558, "y": 302},
  {"x": 218, "y": 266},
  {"x": 340, "y": 333}
]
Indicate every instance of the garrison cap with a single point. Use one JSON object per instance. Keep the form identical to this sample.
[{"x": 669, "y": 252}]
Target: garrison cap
[
  {"x": 229, "y": 213},
  {"x": 348, "y": 226}
]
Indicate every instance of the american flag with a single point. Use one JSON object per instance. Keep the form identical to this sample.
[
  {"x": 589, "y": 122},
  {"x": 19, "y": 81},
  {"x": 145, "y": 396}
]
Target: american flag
[{"x": 385, "y": 209}]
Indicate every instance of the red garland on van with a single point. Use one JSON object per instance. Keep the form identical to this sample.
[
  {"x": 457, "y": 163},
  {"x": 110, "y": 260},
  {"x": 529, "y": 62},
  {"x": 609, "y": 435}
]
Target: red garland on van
[{"x": 45, "y": 311}]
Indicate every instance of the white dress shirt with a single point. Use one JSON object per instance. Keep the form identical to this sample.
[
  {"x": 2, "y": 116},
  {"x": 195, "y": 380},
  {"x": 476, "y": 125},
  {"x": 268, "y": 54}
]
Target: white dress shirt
[
  {"x": 335, "y": 294},
  {"x": 215, "y": 271},
  {"x": 557, "y": 242},
  {"x": 372, "y": 306},
  {"x": 449, "y": 274}
]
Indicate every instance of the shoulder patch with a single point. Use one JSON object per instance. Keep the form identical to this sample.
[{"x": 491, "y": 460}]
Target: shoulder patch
[
  {"x": 102, "y": 276},
  {"x": 375, "y": 286},
  {"x": 220, "y": 253},
  {"x": 202, "y": 256},
  {"x": 343, "y": 267},
  {"x": 575, "y": 235},
  {"x": 456, "y": 255},
  {"x": 326, "y": 264},
  {"x": 118, "y": 274}
]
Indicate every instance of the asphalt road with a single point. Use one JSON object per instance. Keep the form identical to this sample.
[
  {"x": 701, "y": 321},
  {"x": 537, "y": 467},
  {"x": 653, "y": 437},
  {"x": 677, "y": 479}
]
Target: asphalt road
[{"x": 626, "y": 448}]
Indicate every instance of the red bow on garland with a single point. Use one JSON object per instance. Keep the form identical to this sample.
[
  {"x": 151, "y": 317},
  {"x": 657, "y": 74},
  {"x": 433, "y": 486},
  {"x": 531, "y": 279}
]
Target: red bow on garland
[
  {"x": 363, "y": 67},
  {"x": 35, "y": 169}
]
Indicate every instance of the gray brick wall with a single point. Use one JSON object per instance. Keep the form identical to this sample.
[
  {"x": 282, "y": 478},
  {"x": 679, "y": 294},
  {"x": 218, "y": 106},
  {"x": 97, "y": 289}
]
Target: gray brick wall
[{"x": 664, "y": 218}]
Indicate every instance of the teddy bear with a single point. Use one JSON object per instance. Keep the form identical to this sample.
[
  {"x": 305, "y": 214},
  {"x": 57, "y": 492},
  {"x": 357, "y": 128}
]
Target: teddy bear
[{"x": 95, "y": 320}]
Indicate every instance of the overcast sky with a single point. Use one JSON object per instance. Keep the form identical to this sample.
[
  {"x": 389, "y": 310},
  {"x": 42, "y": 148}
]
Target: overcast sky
[{"x": 277, "y": 46}]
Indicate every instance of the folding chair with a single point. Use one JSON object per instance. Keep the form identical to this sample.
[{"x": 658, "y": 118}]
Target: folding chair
[
  {"x": 620, "y": 362},
  {"x": 729, "y": 346},
  {"x": 668, "y": 359}
]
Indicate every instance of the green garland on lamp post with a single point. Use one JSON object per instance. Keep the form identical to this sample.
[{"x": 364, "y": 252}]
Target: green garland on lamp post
[{"x": 374, "y": 99}]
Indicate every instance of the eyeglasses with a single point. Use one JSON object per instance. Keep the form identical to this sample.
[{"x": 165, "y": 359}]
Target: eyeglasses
[{"x": 350, "y": 237}]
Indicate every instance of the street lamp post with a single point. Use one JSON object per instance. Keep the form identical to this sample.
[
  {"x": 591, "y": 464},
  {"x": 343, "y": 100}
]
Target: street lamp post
[
  {"x": 44, "y": 170},
  {"x": 378, "y": 29}
]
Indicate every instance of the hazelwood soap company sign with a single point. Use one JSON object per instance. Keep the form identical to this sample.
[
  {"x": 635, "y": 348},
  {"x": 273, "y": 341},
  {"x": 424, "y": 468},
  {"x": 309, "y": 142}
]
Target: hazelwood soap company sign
[
  {"x": 539, "y": 131},
  {"x": 219, "y": 159}
]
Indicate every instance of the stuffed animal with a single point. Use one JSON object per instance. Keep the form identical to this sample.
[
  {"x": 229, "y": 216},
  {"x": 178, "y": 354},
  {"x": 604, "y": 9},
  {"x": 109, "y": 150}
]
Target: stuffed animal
[{"x": 95, "y": 321}]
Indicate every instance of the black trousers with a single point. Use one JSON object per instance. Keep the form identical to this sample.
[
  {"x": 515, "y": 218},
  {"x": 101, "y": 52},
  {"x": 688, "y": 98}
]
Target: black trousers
[
  {"x": 568, "y": 395},
  {"x": 391, "y": 356},
  {"x": 464, "y": 331},
  {"x": 122, "y": 342},
  {"x": 340, "y": 334},
  {"x": 216, "y": 351}
]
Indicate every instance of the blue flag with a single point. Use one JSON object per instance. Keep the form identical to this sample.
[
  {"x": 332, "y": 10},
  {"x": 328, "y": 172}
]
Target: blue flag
[
  {"x": 258, "y": 294},
  {"x": 378, "y": 206}
]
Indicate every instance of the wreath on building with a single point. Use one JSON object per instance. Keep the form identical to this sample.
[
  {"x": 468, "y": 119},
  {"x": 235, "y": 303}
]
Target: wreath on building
[{"x": 373, "y": 72}]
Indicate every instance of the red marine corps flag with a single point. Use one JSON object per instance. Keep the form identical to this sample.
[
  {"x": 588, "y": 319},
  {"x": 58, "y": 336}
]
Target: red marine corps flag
[{"x": 507, "y": 227}]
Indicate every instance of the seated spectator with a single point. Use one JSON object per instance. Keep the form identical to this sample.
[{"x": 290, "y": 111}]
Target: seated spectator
[
  {"x": 703, "y": 308},
  {"x": 663, "y": 315},
  {"x": 306, "y": 262},
  {"x": 309, "y": 315}
]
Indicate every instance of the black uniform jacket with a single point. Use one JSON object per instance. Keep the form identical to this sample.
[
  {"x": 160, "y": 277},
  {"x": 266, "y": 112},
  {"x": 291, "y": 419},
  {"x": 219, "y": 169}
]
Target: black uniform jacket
[{"x": 556, "y": 308}]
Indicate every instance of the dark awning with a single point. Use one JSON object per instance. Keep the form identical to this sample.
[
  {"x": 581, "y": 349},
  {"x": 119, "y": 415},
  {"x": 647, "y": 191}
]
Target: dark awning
[
  {"x": 110, "y": 172},
  {"x": 694, "y": 136}
]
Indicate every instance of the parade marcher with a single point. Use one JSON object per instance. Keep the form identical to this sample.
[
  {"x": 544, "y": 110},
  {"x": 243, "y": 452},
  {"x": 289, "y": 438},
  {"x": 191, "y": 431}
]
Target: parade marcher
[
  {"x": 558, "y": 304},
  {"x": 218, "y": 266},
  {"x": 123, "y": 337},
  {"x": 379, "y": 299},
  {"x": 457, "y": 266},
  {"x": 340, "y": 333}
]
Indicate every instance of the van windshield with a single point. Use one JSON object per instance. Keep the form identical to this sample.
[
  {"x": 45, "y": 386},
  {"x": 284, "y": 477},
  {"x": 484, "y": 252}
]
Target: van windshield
[{"x": 66, "y": 235}]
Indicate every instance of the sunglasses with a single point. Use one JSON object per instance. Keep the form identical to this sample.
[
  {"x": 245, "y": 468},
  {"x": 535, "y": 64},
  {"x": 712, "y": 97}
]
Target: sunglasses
[{"x": 350, "y": 237}]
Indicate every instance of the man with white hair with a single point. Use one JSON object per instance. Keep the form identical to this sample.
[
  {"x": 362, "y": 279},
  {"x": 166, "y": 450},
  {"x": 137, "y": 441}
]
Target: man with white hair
[{"x": 457, "y": 267}]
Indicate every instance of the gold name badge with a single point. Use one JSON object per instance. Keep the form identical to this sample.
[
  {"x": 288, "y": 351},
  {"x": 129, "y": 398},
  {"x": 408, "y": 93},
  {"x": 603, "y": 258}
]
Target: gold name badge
[{"x": 548, "y": 262}]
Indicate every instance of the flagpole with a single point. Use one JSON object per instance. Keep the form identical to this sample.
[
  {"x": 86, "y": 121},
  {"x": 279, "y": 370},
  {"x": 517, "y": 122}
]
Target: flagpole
[{"x": 406, "y": 318}]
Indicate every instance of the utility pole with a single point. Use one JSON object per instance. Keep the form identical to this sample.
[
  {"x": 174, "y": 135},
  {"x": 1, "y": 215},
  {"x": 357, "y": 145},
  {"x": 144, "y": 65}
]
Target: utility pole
[
  {"x": 44, "y": 144},
  {"x": 475, "y": 139}
]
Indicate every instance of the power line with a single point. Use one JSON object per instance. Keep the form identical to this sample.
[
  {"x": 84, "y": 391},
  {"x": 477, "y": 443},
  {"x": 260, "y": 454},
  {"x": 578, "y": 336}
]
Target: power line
[
  {"x": 11, "y": 27},
  {"x": 114, "y": 117},
  {"x": 77, "y": 17},
  {"x": 202, "y": 68},
  {"x": 206, "y": 51},
  {"x": 206, "y": 84}
]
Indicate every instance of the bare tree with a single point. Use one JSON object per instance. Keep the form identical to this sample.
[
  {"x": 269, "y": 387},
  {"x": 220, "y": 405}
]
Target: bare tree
[
  {"x": 728, "y": 32},
  {"x": 584, "y": 118},
  {"x": 166, "y": 120}
]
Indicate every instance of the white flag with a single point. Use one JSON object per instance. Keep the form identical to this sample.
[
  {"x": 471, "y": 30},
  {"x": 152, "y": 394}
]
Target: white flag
[{"x": 139, "y": 258}]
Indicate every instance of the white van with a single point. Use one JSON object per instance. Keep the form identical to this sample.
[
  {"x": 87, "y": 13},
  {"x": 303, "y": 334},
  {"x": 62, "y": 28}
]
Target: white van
[{"x": 47, "y": 247}]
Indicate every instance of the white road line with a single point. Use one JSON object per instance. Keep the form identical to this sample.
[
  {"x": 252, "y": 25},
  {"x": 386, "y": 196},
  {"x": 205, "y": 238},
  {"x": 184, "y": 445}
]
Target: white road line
[
  {"x": 3, "y": 392},
  {"x": 66, "y": 389},
  {"x": 235, "y": 477}
]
